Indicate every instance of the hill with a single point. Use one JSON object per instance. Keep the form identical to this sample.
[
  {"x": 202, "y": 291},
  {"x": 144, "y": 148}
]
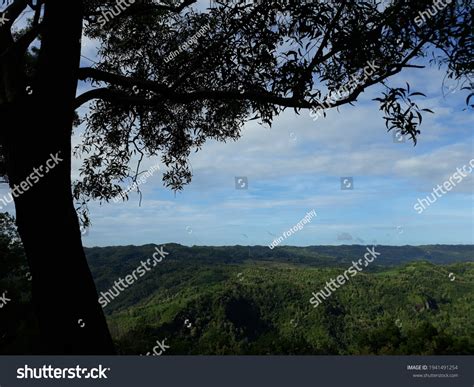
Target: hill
[{"x": 252, "y": 300}]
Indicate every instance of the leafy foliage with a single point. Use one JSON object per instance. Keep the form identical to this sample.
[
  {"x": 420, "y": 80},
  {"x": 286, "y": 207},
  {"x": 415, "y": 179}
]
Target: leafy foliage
[
  {"x": 260, "y": 304},
  {"x": 18, "y": 329},
  {"x": 255, "y": 61}
]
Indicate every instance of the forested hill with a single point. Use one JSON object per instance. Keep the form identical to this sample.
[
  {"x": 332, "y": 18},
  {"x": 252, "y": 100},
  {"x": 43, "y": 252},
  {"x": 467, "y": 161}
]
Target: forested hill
[
  {"x": 240, "y": 300},
  {"x": 316, "y": 256}
]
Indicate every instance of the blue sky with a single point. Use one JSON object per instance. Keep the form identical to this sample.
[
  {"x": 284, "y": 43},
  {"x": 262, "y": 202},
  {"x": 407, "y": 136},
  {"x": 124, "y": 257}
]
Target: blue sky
[{"x": 296, "y": 166}]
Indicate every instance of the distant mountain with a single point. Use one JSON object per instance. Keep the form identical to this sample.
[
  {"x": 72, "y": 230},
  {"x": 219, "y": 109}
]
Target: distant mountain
[{"x": 310, "y": 255}]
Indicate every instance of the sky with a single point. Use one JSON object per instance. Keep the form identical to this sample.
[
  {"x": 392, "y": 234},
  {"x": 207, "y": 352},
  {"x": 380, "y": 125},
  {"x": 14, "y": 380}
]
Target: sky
[{"x": 296, "y": 166}]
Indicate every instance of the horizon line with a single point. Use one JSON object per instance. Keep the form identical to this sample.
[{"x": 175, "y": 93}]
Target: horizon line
[{"x": 280, "y": 246}]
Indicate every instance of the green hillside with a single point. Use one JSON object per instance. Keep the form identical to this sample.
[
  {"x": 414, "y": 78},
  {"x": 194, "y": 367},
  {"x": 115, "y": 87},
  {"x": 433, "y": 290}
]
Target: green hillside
[
  {"x": 206, "y": 303},
  {"x": 240, "y": 300}
]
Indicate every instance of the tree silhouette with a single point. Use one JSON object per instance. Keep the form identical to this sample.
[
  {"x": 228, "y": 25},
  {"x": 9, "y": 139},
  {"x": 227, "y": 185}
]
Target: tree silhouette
[{"x": 170, "y": 75}]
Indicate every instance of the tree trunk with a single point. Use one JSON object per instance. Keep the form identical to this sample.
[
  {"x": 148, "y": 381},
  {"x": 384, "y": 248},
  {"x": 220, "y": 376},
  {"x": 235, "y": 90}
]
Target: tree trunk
[{"x": 39, "y": 126}]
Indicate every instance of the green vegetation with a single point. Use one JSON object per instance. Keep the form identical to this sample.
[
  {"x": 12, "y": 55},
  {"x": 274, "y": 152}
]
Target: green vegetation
[
  {"x": 18, "y": 329},
  {"x": 241, "y": 300}
]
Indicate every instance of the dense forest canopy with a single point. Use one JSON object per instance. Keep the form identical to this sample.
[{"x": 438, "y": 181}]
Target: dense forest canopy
[{"x": 232, "y": 301}]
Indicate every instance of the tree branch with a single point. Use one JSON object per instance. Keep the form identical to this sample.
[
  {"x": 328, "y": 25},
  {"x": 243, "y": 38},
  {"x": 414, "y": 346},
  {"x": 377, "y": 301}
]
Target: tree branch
[
  {"x": 138, "y": 8},
  {"x": 396, "y": 69},
  {"x": 258, "y": 96},
  {"x": 12, "y": 12},
  {"x": 23, "y": 42},
  {"x": 318, "y": 57}
]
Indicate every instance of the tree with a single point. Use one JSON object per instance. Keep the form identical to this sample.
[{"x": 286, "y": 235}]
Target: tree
[
  {"x": 11, "y": 249},
  {"x": 171, "y": 75},
  {"x": 18, "y": 330}
]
